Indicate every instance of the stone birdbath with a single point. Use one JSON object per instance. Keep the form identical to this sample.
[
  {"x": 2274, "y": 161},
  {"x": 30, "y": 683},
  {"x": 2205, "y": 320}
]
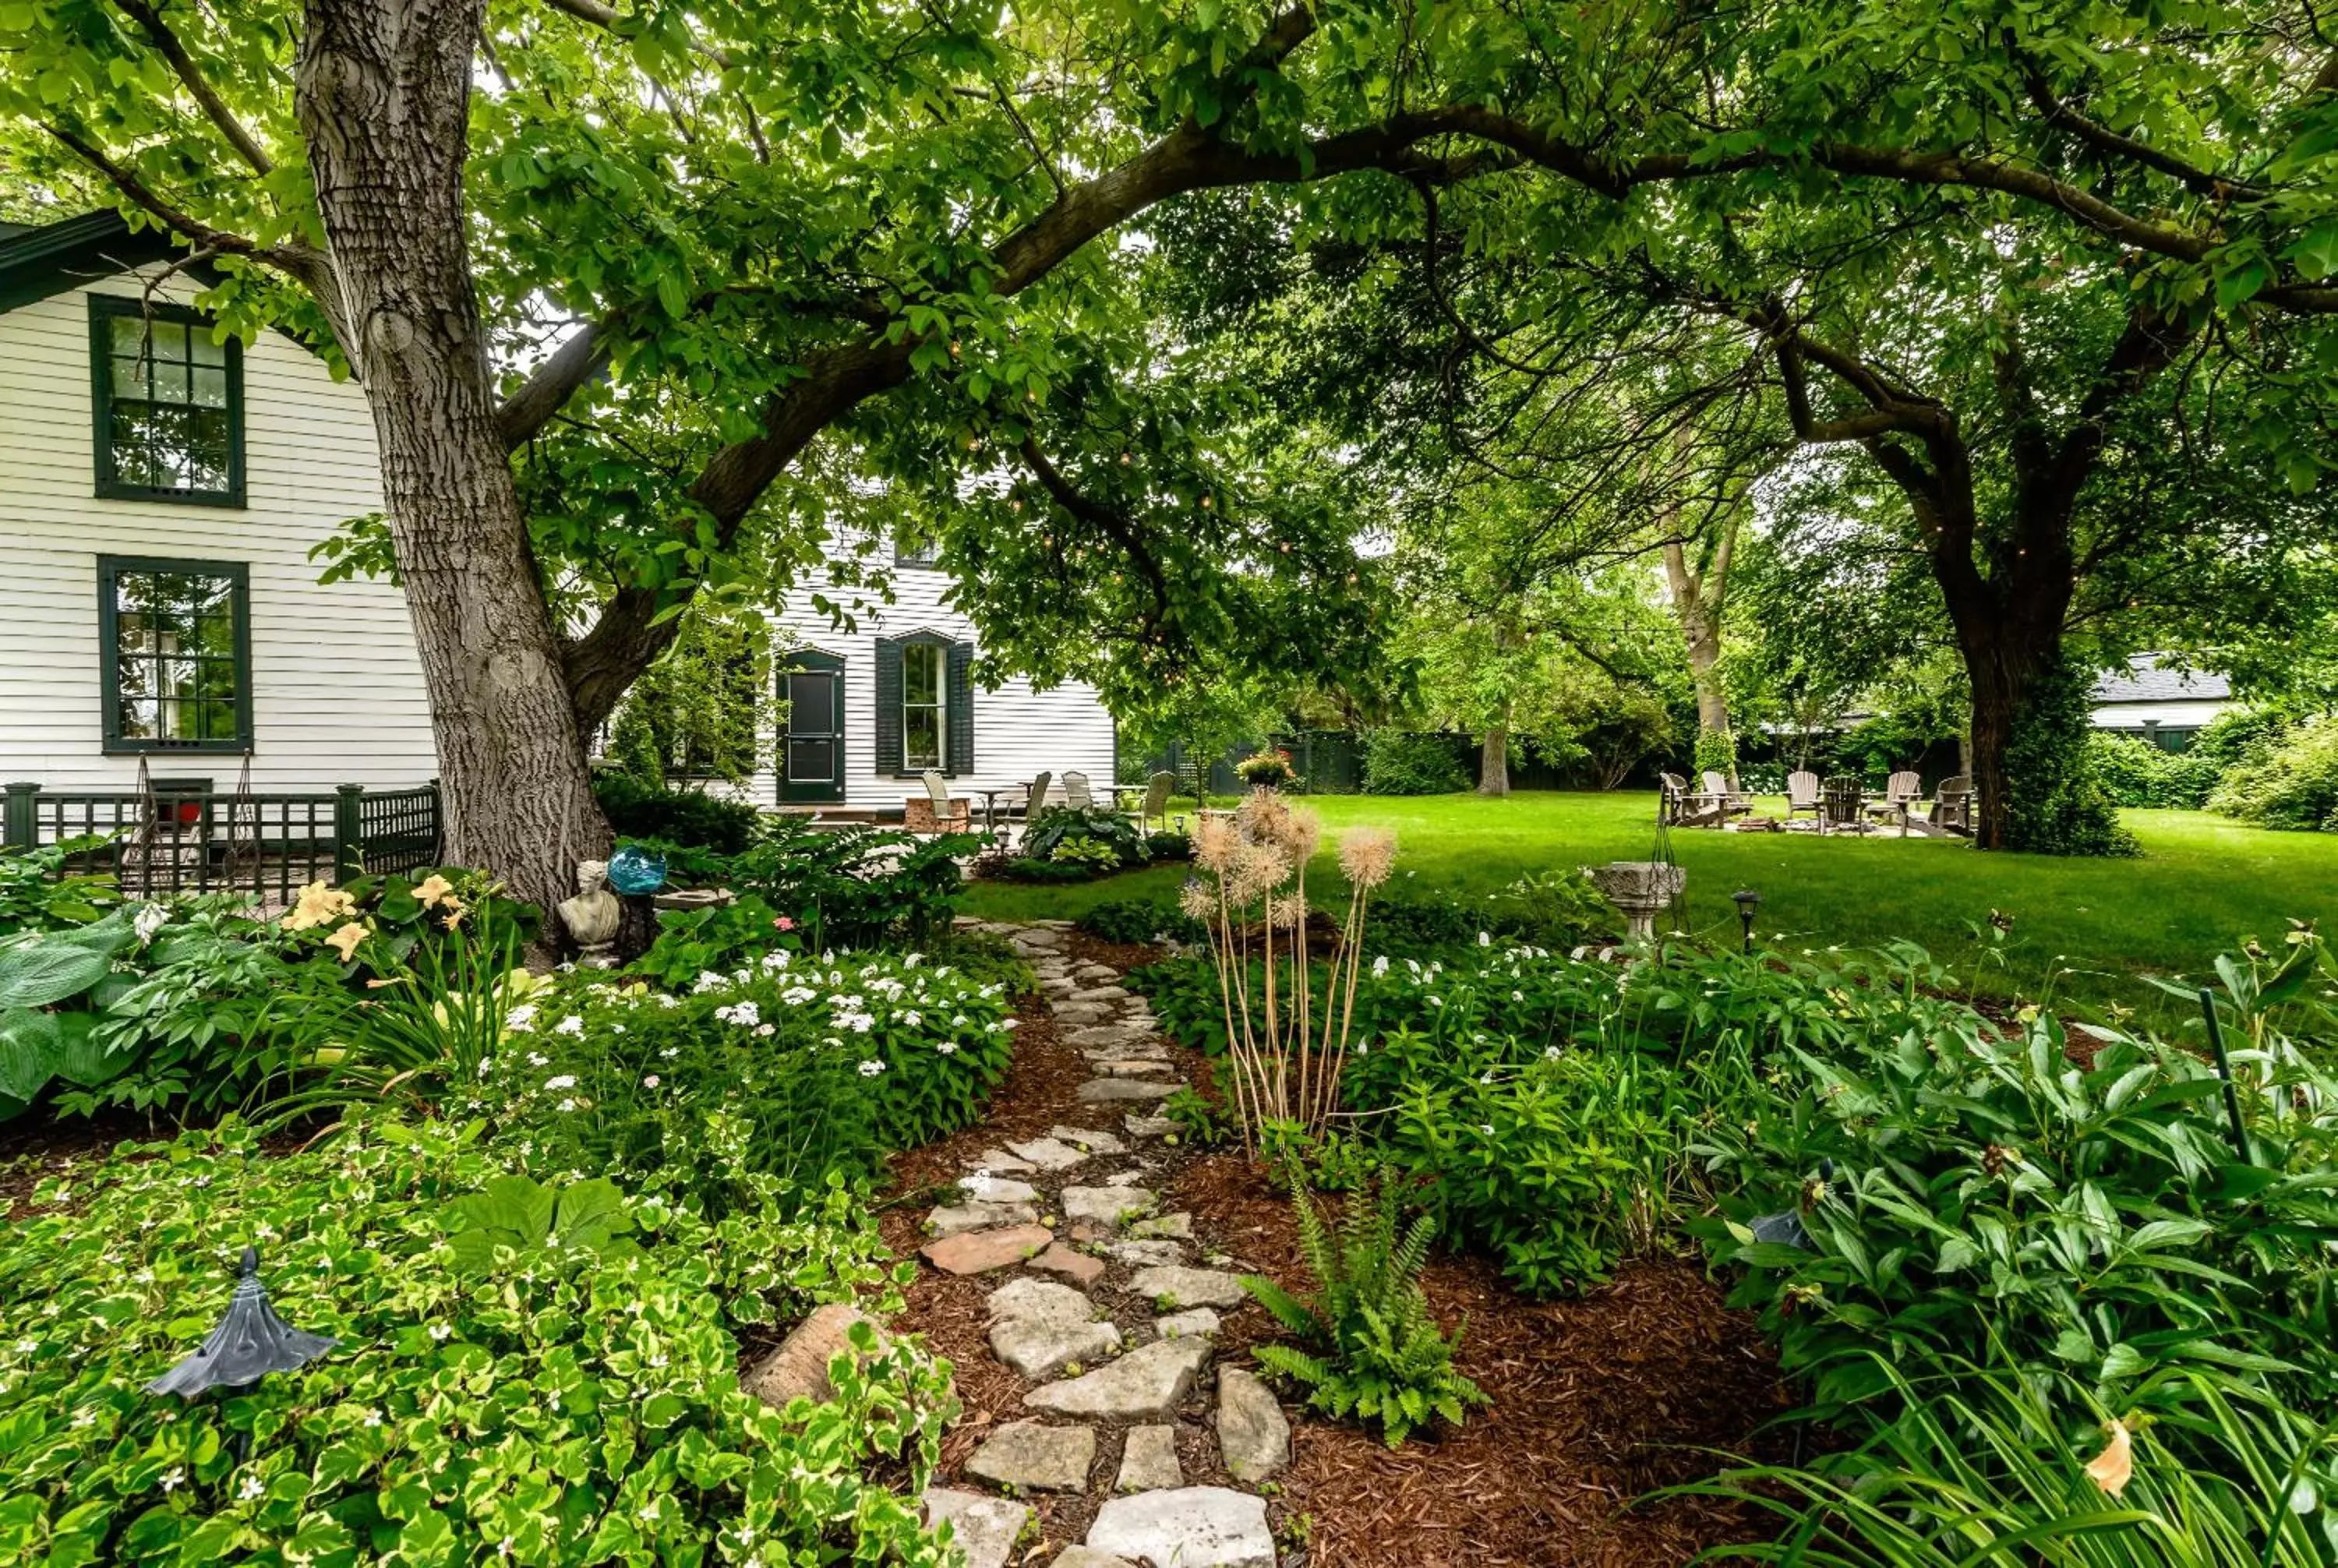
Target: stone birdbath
[{"x": 1640, "y": 890}]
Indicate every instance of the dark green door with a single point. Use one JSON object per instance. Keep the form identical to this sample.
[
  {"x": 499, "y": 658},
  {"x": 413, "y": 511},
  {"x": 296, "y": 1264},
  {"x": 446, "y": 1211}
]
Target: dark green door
[{"x": 812, "y": 745}]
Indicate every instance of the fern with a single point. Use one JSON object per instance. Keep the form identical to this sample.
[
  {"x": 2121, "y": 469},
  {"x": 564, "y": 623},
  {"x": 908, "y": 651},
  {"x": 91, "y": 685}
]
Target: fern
[{"x": 1374, "y": 1348}]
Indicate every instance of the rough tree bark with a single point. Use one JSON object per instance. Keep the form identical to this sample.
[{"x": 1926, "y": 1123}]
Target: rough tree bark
[
  {"x": 383, "y": 93},
  {"x": 1494, "y": 757}
]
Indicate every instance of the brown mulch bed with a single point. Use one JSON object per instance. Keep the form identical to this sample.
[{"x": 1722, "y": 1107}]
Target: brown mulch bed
[{"x": 1596, "y": 1402}]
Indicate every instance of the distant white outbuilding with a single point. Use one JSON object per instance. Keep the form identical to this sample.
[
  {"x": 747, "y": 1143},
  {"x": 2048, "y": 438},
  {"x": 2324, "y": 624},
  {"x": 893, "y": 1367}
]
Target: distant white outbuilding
[{"x": 2160, "y": 704}]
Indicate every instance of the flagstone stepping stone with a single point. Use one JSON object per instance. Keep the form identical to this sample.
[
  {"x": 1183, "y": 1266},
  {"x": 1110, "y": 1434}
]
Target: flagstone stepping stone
[
  {"x": 1146, "y": 1254},
  {"x": 1094, "y": 1142},
  {"x": 1075, "y": 1012},
  {"x": 1038, "y": 1329},
  {"x": 1035, "y": 1458},
  {"x": 1177, "y": 1227},
  {"x": 1131, "y": 1067},
  {"x": 999, "y": 1162},
  {"x": 1081, "y": 1557},
  {"x": 1149, "y": 1462},
  {"x": 1142, "y": 1127},
  {"x": 985, "y": 1528},
  {"x": 979, "y": 1251},
  {"x": 800, "y": 1365},
  {"x": 1252, "y": 1433},
  {"x": 953, "y": 1220},
  {"x": 998, "y": 1189},
  {"x": 1099, "y": 1035},
  {"x": 1037, "y": 936},
  {"x": 1153, "y": 1049},
  {"x": 1112, "y": 1206},
  {"x": 1199, "y": 1323},
  {"x": 1076, "y": 1266},
  {"x": 1183, "y": 1288},
  {"x": 1186, "y": 1527},
  {"x": 1100, "y": 994},
  {"x": 1147, "y": 1384},
  {"x": 1124, "y": 1178},
  {"x": 1101, "y": 1091},
  {"x": 1047, "y": 1154},
  {"x": 1097, "y": 972}
]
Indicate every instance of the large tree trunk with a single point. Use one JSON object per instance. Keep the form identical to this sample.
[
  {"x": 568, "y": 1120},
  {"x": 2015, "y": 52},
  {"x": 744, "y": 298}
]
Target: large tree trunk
[
  {"x": 1494, "y": 760},
  {"x": 1696, "y": 605},
  {"x": 384, "y": 92},
  {"x": 2009, "y": 629}
]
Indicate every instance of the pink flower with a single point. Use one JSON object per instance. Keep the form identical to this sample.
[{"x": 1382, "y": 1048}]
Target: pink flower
[{"x": 784, "y": 924}]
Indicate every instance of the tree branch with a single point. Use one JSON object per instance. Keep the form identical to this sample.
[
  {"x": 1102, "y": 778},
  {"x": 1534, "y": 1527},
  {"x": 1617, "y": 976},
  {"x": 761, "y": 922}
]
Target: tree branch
[
  {"x": 1119, "y": 529},
  {"x": 606, "y": 18},
  {"x": 166, "y": 44},
  {"x": 2103, "y": 139},
  {"x": 547, "y": 389}
]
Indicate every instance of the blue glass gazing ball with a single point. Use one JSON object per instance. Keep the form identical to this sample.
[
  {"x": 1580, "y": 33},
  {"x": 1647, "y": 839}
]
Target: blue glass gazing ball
[{"x": 634, "y": 870}]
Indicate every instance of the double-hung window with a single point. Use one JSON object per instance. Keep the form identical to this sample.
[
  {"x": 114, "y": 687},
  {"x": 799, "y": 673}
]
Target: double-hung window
[
  {"x": 167, "y": 404},
  {"x": 925, "y": 706},
  {"x": 175, "y": 654}
]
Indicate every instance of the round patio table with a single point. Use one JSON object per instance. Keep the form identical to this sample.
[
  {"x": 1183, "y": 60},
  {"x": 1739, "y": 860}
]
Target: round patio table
[{"x": 990, "y": 805}]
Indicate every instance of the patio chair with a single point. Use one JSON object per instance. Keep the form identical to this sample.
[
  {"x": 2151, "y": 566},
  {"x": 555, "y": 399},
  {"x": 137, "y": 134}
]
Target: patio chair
[
  {"x": 1842, "y": 807},
  {"x": 1076, "y": 792},
  {"x": 1155, "y": 807},
  {"x": 1952, "y": 807},
  {"x": 1902, "y": 793},
  {"x": 937, "y": 812},
  {"x": 1802, "y": 797},
  {"x": 1677, "y": 806},
  {"x": 1732, "y": 803}
]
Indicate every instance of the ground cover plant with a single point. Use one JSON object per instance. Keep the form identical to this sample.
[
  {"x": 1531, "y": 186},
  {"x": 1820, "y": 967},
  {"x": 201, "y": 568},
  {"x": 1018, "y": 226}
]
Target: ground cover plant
[{"x": 567, "y": 1403}]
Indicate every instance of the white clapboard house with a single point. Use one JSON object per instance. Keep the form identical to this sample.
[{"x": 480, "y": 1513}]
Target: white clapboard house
[{"x": 164, "y": 638}]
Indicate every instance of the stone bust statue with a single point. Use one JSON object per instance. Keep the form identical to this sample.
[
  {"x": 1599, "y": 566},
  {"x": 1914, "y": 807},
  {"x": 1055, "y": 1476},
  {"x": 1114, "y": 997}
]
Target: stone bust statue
[{"x": 592, "y": 916}]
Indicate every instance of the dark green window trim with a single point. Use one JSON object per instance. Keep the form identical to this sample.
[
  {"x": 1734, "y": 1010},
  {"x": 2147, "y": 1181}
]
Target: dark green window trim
[
  {"x": 958, "y": 706},
  {"x": 104, "y": 310},
  {"x": 111, "y": 570}
]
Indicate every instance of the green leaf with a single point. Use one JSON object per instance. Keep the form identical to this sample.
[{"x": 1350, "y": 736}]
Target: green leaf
[{"x": 39, "y": 973}]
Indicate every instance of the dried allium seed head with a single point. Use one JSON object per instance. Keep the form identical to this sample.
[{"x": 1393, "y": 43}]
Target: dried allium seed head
[
  {"x": 1367, "y": 855},
  {"x": 1305, "y": 832},
  {"x": 1195, "y": 899},
  {"x": 1263, "y": 816},
  {"x": 1259, "y": 869},
  {"x": 1215, "y": 843},
  {"x": 1286, "y": 911}
]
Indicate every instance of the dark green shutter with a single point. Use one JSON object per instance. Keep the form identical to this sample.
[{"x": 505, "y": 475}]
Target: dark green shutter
[
  {"x": 889, "y": 706},
  {"x": 960, "y": 687}
]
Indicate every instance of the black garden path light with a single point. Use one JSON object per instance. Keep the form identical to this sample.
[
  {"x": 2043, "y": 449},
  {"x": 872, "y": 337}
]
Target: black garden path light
[
  {"x": 250, "y": 1342},
  {"x": 1747, "y": 901}
]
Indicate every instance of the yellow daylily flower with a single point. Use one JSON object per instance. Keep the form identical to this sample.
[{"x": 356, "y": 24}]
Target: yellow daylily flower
[
  {"x": 432, "y": 888},
  {"x": 319, "y": 904},
  {"x": 345, "y": 940},
  {"x": 2113, "y": 1468}
]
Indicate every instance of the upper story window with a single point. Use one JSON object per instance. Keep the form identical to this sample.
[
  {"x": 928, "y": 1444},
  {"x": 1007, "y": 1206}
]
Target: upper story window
[
  {"x": 174, "y": 642},
  {"x": 924, "y": 706},
  {"x": 909, "y": 551},
  {"x": 168, "y": 404}
]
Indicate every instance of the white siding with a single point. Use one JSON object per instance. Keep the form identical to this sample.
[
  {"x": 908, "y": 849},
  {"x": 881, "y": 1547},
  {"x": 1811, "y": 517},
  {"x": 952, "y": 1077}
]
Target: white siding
[
  {"x": 2176, "y": 714},
  {"x": 1017, "y": 730},
  {"x": 338, "y": 695}
]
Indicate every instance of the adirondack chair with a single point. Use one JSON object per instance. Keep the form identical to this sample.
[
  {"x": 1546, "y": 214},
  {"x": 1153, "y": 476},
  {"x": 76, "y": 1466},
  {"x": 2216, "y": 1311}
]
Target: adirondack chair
[
  {"x": 1902, "y": 793},
  {"x": 1952, "y": 807},
  {"x": 1842, "y": 807},
  {"x": 1677, "y": 806},
  {"x": 1802, "y": 797},
  {"x": 937, "y": 812},
  {"x": 1076, "y": 792},
  {"x": 1155, "y": 807},
  {"x": 1731, "y": 803}
]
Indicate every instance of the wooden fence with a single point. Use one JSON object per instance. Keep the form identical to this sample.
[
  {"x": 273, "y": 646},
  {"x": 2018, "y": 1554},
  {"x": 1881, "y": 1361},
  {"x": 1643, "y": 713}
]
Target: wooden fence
[{"x": 181, "y": 838}]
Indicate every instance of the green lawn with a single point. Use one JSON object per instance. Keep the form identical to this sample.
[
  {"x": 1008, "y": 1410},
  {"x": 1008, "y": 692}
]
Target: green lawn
[{"x": 2204, "y": 883}]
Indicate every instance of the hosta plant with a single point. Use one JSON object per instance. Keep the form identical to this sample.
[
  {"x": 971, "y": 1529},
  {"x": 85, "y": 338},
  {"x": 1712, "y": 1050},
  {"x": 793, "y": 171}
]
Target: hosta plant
[{"x": 1371, "y": 1348}]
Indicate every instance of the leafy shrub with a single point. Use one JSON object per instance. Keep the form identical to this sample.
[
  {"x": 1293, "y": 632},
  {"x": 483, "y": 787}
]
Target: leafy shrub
[
  {"x": 1200, "y": 1122},
  {"x": 790, "y": 1070},
  {"x": 1715, "y": 751},
  {"x": 1054, "y": 825},
  {"x": 856, "y": 886},
  {"x": 1266, "y": 769},
  {"x": 1376, "y": 1351},
  {"x": 1405, "y": 762},
  {"x": 692, "y": 817},
  {"x": 2058, "y": 803},
  {"x": 721, "y": 937},
  {"x": 1763, "y": 777},
  {"x": 2138, "y": 773},
  {"x": 1548, "y": 909},
  {"x": 37, "y": 895},
  {"x": 1168, "y": 846},
  {"x": 584, "y": 1408},
  {"x": 1140, "y": 920},
  {"x": 1024, "y": 868},
  {"x": 2291, "y": 782}
]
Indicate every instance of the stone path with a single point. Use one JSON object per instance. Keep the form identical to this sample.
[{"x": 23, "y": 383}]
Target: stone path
[{"x": 1072, "y": 1229}]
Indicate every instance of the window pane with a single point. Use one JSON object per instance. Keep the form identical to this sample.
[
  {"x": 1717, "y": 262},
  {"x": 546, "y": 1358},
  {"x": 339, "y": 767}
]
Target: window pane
[
  {"x": 202, "y": 350},
  {"x": 171, "y": 425},
  {"x": 130, "y": 339},
  {"x": 811, "y": 761},
  {"x": 211, "y": 386},
  {"x": 921, "y": 739},
  {"x": 176, "y": 658},
  {"x": 921, "y": 674},
  {"x": 812, "y": 704},
  {"x": 138, "y": 718}
]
